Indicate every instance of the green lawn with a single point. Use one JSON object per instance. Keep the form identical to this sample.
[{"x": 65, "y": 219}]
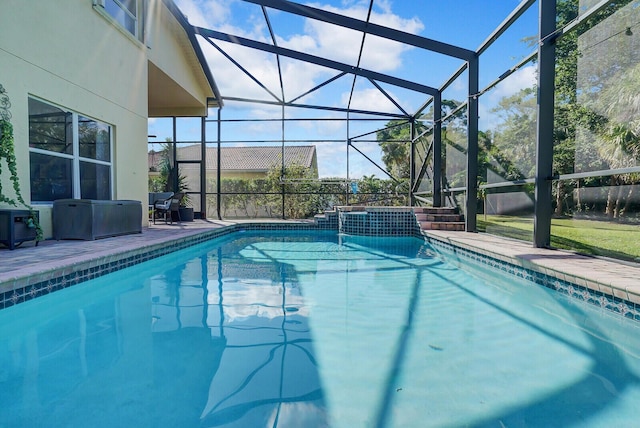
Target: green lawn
[{"x": 602, "y": 238}]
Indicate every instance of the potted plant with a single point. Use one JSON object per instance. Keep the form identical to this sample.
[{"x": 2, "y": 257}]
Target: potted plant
[
  {"x": 7, "y": 155},
  {"x": 185, "y": 211},
  {"x": 169, "y": 180}
]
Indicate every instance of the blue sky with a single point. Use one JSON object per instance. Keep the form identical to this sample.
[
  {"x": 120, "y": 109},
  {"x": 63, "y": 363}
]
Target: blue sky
[{"x": 464, "y": 23}]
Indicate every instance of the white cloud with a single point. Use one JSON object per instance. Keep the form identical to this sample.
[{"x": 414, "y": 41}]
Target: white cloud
[
  {"x": 234, "y": 82},
  {"x": 317, "y": 38},
  {"x": 240, "y": 295},
  {"x": 219, "y": 15},
  {"x": 343, "y": 44},
  {"x": 524, "y": 78},
  {"x": 205, "y": 14},
  {"x": 460, "y": 84},
  {"x": 332, "y": 160},
  {"x": 384, "y": 5},
  {"x": 313, "y": 37},
  {"x": 330, "y": 128},
  {"x": 370, "y": 99},
  {"x": 299, "y": 78},
  {"x": 298, "y": 414}
]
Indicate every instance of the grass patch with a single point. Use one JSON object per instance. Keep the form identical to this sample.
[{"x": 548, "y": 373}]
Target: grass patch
[{"x": 593, "y": 237}]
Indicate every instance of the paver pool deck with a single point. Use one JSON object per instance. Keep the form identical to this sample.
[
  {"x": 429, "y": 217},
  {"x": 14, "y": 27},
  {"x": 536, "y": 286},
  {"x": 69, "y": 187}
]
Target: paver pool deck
[{"x": 621, "y": 280}]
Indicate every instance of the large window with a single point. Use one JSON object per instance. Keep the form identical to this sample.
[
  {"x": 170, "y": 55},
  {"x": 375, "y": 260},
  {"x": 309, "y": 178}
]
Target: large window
[{"x": 70, "y": 154}]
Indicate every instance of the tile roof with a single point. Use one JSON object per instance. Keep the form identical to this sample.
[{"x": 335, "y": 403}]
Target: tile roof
[{"x": 253, "y": 158}]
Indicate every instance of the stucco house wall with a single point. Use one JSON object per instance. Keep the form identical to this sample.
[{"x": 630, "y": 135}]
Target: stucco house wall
[
  {"x": 71, "y": 54},
  {"x": 177, "y": 82}
]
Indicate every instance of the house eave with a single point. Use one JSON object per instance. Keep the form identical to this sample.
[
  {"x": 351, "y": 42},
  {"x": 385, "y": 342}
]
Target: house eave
[{"x": 216, "y": 101}]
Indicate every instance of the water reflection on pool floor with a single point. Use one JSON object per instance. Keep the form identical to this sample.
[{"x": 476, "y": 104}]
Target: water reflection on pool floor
[{"x": 313, "y": 330}]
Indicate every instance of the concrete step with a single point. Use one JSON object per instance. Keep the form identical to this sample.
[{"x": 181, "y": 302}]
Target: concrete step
[
  {"x": 439, "y": 217},
  {"x": 442, "y": 225},
  {"x": 432, "y": 210}
]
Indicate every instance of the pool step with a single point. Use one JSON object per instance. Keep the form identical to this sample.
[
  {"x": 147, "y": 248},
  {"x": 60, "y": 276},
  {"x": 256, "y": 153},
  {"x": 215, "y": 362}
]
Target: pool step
[
  {"x": 435, "y": 210},
  {"x": 441, "y": 218},
  {"x": 438, "y": 217},
  {"x": 458, "y": 226},
  {"x": 327, "y": 220}
]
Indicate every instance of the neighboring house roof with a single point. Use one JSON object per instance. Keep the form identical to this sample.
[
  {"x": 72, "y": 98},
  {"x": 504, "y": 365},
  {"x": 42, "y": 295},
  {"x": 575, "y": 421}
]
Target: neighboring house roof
[
  {"x": 261, "y": 159},
  {"x": 246, "y": 159}
]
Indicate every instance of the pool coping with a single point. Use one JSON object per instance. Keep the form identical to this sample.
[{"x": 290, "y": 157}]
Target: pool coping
[
  {"x": 29, "y": 284},
  {"x": 620, "y": 295},
  {"x": 608, "y": 287}
]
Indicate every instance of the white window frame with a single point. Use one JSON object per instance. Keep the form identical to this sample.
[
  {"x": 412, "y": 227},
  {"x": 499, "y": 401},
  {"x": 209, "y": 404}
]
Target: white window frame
[
  {"x": 99, "y": 5},
  {"x": 75, "y": 156}
]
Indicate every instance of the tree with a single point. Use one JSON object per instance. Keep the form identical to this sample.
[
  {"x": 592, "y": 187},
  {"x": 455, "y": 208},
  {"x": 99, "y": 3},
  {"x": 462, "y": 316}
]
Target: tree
[
  {"x": 394, "y": 141},
  {"x": 301, "y": 195},
  {"x": 454, "y": 147},
  {"x": 580, "y": 126},
  {"x": 513, "y": 147},
  {"x": 606, "y": 83}
]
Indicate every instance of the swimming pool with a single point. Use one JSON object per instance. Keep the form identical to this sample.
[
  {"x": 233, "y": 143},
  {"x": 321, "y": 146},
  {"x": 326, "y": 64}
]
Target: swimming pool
[{"x": 316, "y": 329}]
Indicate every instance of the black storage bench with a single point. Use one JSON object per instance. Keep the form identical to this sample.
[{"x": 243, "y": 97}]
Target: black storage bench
[{"x": 89, "y": 219}]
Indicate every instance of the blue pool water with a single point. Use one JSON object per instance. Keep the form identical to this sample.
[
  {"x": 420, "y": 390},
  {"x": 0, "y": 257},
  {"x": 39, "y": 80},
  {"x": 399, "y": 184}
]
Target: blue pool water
[{"x": 319, "y": 330}]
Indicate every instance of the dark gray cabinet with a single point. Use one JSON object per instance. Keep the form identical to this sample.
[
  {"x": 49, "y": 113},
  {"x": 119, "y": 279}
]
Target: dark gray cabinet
[{"x": 92, "y": 219}]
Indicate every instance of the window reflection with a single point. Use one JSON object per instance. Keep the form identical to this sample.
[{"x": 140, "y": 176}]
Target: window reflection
[
  {"x": 50, "y": 128},
  {"x": 64, "y": 147},
  {"x": 95, "y": 181},
  {"x": 51, "y": 177},
  {"x": 124, "y": 12},
  {"x": 94, "y": 139}
]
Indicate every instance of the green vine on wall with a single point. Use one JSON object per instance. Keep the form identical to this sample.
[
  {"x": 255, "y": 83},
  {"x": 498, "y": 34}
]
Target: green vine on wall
[{"x": 8, "y": 154}]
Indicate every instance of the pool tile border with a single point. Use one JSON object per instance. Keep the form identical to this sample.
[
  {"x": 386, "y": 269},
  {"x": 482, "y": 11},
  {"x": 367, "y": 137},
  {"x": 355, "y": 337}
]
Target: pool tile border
[
  {"x": 376, "y": 221},
  {"x": 26, "y": 288},
  {"x": 615, "y": 300},
  {"x": 597, "y": 294}
]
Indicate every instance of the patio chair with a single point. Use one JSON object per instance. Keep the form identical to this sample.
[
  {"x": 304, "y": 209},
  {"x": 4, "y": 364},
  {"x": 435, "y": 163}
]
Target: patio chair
[
  {"x": 167, "y": 207},
  {"x": 157, "y": 197}
]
